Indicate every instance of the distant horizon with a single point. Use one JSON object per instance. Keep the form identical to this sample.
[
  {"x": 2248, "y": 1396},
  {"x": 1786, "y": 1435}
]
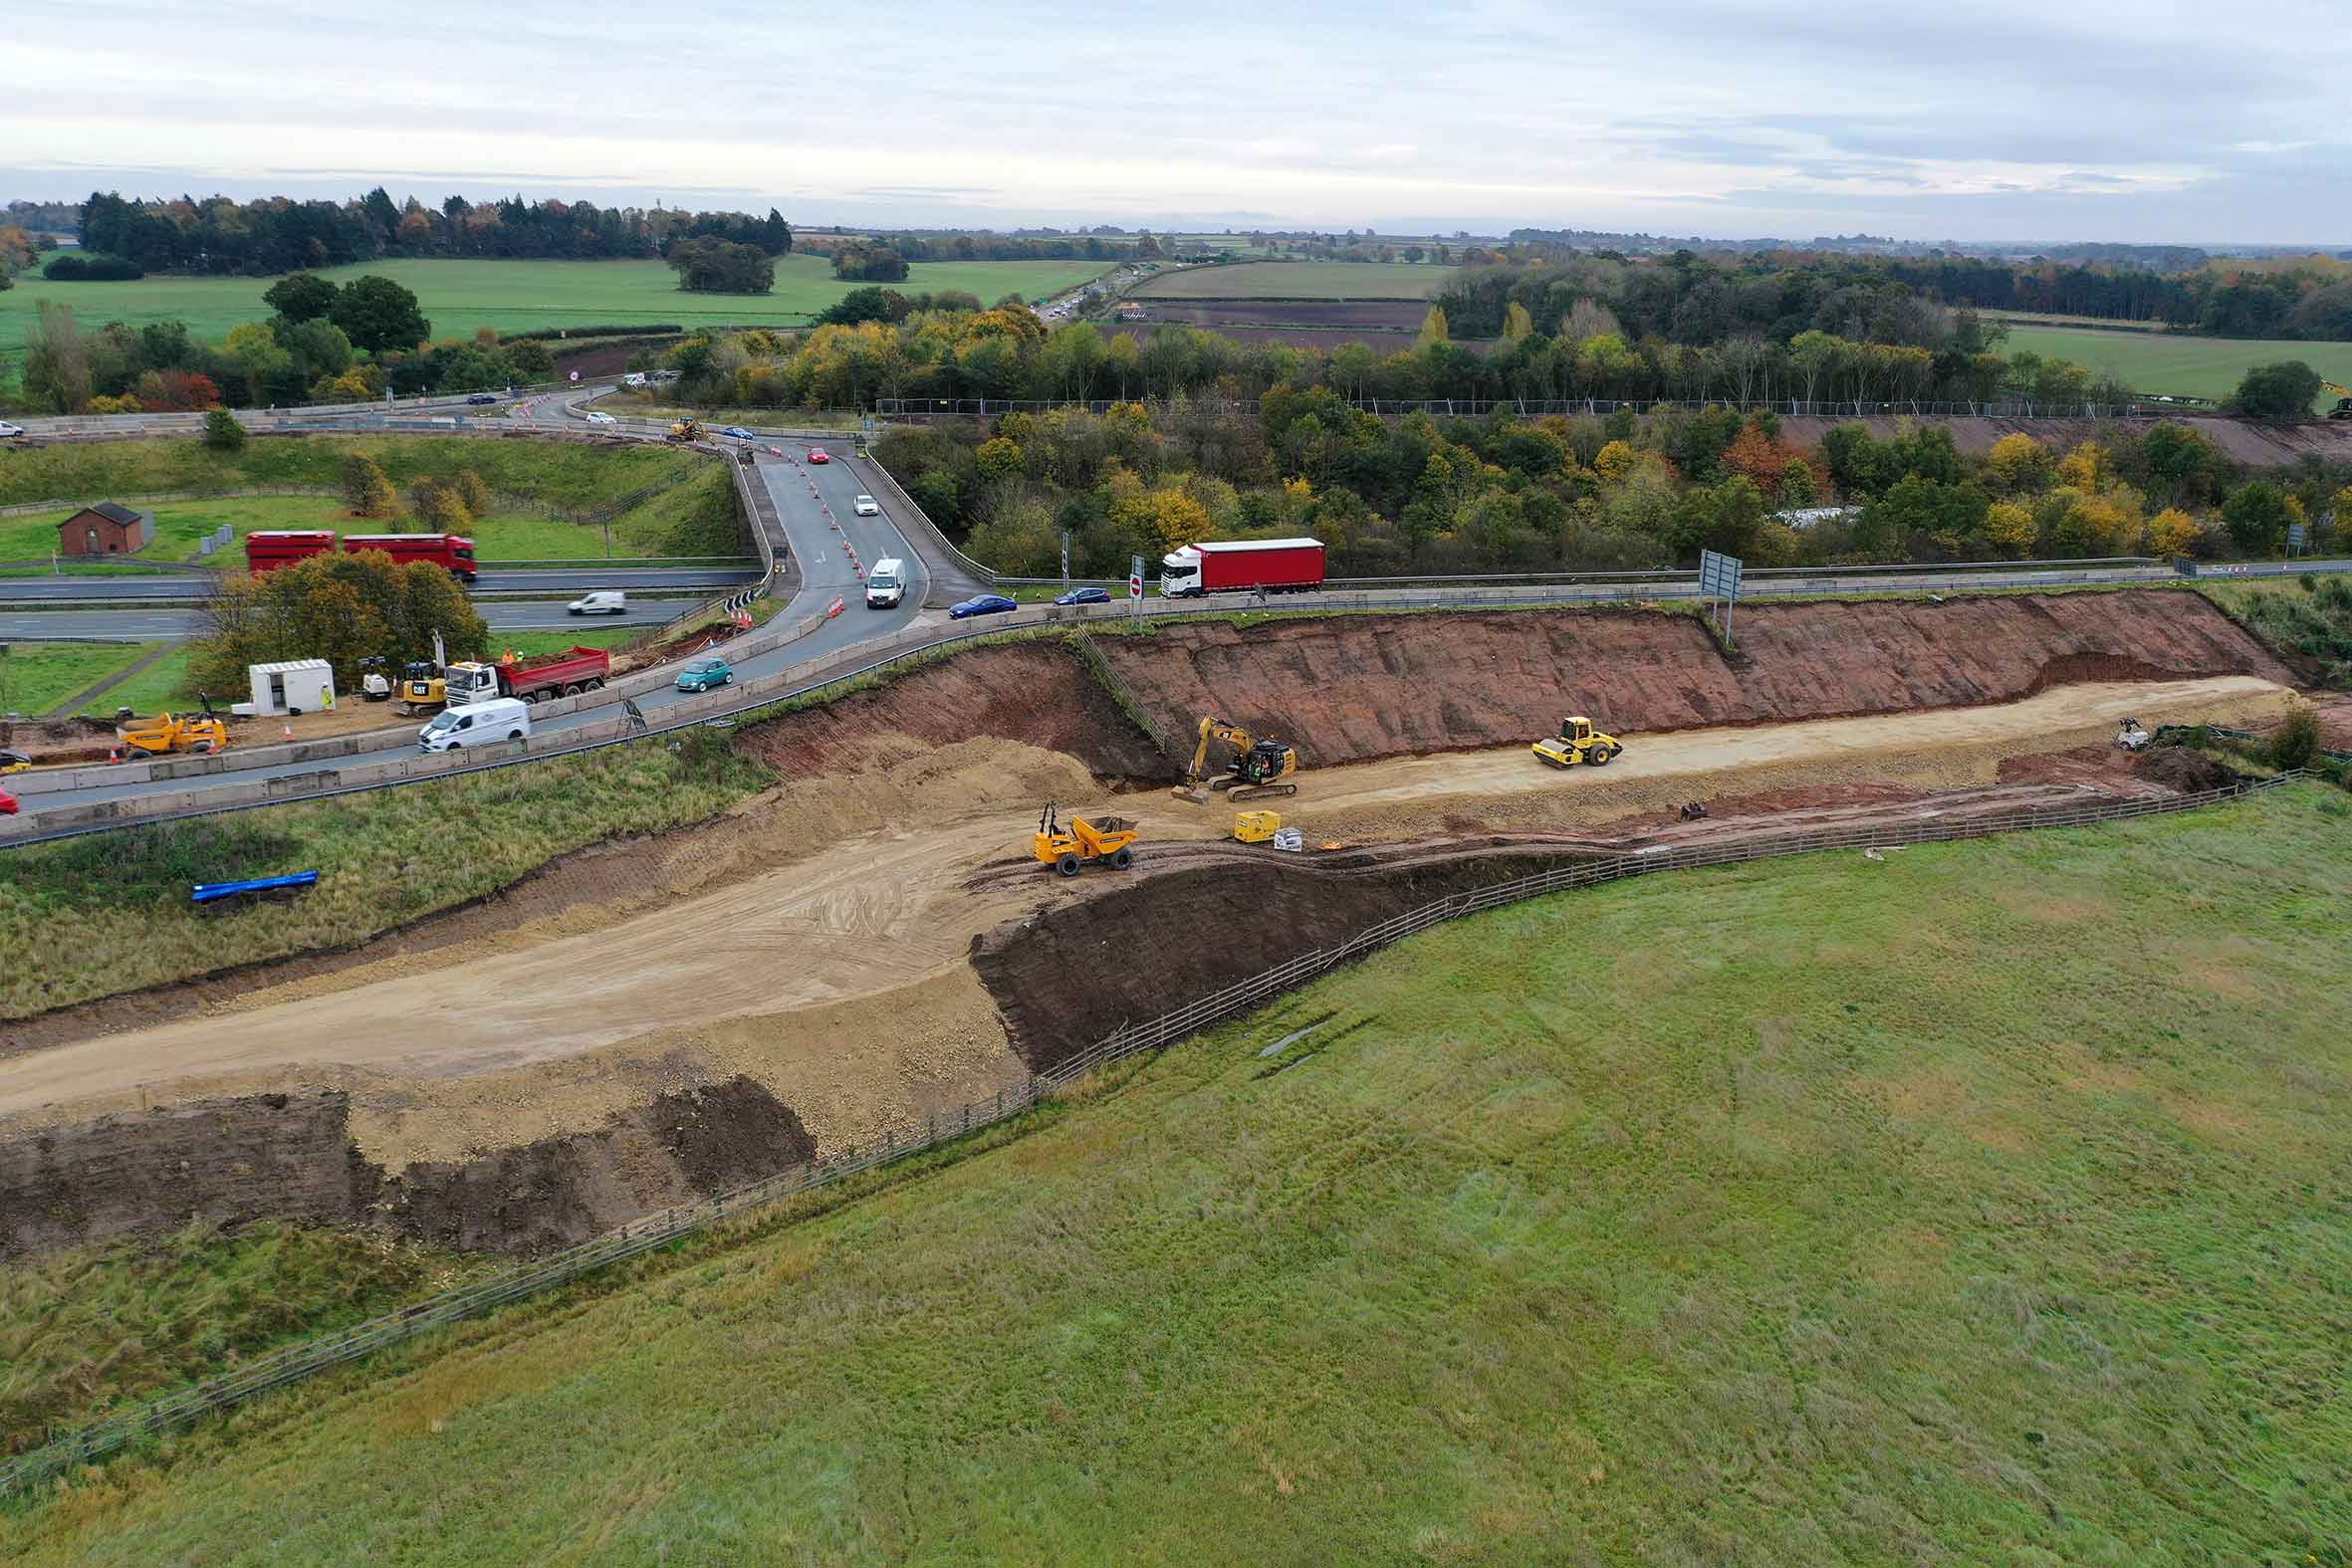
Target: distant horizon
[{"x": 1497, "y": 231}]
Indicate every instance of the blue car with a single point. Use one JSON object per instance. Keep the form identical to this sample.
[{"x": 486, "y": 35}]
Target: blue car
[
  {"x": 738, "y": 432},
  {"x": 1083, "y": 596},
  {"x": 703, "y": 674},
  {"x": 983, "y": 604}
]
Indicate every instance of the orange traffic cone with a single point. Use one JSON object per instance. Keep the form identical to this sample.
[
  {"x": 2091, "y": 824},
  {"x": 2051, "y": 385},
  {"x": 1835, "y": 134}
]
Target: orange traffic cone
[{"x": 290, "y": 729}]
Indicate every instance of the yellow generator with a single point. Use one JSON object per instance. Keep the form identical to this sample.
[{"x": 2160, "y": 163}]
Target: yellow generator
[
  {"x": 1577, "y": 742},
  {"x": 1257, "y": 827}
]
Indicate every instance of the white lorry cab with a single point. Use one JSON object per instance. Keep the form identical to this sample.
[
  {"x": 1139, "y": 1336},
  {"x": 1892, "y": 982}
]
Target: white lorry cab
[
  {"x": 476, "y": 724},
  {"x": 885, "y": 585}
]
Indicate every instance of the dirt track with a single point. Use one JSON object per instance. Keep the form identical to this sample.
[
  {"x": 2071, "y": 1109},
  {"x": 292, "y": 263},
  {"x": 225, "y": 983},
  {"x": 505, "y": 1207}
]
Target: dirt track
[{"x": 796, "y": 974}]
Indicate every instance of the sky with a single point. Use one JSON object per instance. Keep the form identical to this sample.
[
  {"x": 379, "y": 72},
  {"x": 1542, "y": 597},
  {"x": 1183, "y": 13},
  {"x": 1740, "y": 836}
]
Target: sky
[{"x": 2155, "y": 122}]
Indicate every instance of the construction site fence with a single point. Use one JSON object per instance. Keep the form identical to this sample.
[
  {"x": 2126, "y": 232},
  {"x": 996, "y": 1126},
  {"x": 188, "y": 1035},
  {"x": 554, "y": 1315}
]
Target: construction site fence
[
  {"x": 1537, "y": 407},
  {"x": 311, "y": 1357}
]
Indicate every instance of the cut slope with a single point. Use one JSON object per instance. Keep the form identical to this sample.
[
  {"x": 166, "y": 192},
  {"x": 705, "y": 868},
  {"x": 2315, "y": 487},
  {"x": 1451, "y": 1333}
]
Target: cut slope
[
  {"x": 1821, "y": 1211},
  {"x": 1348, "y": 689}
]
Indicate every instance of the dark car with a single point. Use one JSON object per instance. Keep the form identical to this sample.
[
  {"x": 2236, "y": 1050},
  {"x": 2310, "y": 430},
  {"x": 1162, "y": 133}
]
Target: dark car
[
  {"x": 1083, "y": 596},
  {"x": 479, "y": 398},
  {"x": 983, "y": 604},
  {"x": 13, "y": 761}
]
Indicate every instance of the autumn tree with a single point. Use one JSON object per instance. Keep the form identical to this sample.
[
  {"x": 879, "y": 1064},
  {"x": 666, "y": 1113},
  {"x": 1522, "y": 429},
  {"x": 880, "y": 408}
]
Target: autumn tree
[
  {"x": 2255, "y": 516},
  {"x": 2281, "y": 393},
  {"x": 366, "y": 490},
  {"x": 2018, "y": 463},
  {"x": 1433, "y": 326},
  {"x": 301, "y": 297},
  {"x": 222, "y": 432},
  {"x": 379, "y": 314},
  {"x": 339, "y": 608}
]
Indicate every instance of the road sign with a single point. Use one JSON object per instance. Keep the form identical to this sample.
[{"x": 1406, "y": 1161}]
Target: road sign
[
  {"x": 1135, "y": 577},
  {"x": 1719, "y": 575},
  {"x": 2296, "y": 534}
]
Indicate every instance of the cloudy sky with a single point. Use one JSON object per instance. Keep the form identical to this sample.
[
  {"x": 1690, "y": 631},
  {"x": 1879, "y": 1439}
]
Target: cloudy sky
[{"x": 2155, "y": 120}]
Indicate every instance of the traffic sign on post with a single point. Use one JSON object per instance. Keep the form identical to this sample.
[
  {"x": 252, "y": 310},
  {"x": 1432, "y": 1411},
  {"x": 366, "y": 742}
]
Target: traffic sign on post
[
  {"x": 1134, "y": 584},
  {"x": 2297, "y": 534},
  {"x": 1719, "y": 578}
]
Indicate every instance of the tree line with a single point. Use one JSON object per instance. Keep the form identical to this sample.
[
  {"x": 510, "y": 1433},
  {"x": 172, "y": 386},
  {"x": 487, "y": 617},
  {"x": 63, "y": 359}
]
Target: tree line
[
  {"x": 276, "y": 233},
  {"x": 1776, "y": 295},
  {"x": 1509, "y": 494}
]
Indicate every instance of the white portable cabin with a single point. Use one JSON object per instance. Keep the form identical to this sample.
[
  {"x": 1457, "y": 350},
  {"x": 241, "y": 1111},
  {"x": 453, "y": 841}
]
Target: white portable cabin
[{"x": 292, "y": 686}]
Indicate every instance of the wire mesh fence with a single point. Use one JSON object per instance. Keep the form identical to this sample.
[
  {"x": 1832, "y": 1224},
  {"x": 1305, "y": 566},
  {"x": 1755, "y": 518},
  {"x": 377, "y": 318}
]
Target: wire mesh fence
[{"x": 296, "y": 1362}]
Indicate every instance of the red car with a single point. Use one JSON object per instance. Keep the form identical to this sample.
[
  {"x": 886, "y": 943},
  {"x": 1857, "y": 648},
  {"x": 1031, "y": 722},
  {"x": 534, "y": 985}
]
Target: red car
[
  {"x": 816, "y": 455},
  {"x": 7, "y": 803}
]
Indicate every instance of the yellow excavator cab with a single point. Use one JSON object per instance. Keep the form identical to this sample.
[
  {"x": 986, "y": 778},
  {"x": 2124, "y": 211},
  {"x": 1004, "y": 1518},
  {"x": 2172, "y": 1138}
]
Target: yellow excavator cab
[
  {"x": 686, "y": 430},
  {"x": 1577, "y": 742},
  {"x": 1110, "y": 838},
  {"x": 1257, "y": 827},
  {"x": 1260, "y": 769}
]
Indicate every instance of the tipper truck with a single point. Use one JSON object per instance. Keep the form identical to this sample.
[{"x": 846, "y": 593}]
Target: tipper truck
[
  {"x": 533, "y": 680},
  {"x": 1274, "y": 565}
]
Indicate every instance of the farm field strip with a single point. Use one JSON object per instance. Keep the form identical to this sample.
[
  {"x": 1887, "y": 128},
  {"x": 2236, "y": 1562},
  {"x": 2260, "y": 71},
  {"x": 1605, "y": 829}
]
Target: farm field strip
[
  {"x": 2176, "y": 364},
  {"x": 1302, "y": 280}
]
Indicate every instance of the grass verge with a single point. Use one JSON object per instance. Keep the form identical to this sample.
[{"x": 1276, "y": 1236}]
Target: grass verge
[
  {"x": 37, "y": 675},
  {"x": 109, "y": 913},
  {"x": 1879, "y": 1230}
]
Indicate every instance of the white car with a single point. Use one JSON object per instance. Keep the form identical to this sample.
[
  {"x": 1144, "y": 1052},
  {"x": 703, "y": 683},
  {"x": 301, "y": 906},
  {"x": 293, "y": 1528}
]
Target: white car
[
  {"x": 605, "y": 601},
  {"x": 633, "y": 378},
  {"x": 594, "y": 417},
  {"x": 868, "y": 507},
  {"x": 9, "y": 432}
]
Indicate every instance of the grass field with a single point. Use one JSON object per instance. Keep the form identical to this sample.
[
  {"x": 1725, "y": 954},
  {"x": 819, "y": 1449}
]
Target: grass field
[
  {"x": 460, "y": 295},
  {"x": 37, "y": 675},
  {"x": 163, "y": 684},
  {"x": 1986, "y": 1203},
  {"x": 1302, "y": 280},
  {"x": 2176, "y": 364},
  {"x": 692, "y": 512}
]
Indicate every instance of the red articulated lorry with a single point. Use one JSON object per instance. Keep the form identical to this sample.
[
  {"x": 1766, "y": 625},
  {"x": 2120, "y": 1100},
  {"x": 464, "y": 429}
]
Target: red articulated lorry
[
  {"x": 1274, "y": 565},
  {"x": 452, "y": 553},
  {"x": 533, "y": 680}
]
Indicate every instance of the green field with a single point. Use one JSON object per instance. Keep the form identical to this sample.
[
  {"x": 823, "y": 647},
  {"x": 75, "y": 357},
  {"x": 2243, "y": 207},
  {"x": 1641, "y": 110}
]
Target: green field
[
  {"x": 36, "y": 677},
  {"x": 1984, "y": 1203},
  {"x": 1302, "y": 280},
  {"x": 162, "y": 685},
  {"x": 460, "y": 295},
  {"x": 692, "y": 511},
  {"x": 2176, "y": 364}
]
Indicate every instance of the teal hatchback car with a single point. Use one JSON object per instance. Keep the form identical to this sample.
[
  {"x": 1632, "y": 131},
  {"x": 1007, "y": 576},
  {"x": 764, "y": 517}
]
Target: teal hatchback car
[{"x": 703, "y": 674}]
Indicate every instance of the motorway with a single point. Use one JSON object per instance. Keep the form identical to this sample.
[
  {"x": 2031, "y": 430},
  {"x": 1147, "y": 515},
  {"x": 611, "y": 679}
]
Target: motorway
[
  {"x": 168, "y": 623},
  {"x": 692, "y": 581},
  {"x": 827, "y": 574}
]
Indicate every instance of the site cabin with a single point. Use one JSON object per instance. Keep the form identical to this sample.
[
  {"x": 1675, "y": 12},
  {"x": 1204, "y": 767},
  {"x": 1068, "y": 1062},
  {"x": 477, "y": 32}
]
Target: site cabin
[
  {"x": 292, "y": 686},
  {"x": 449, "y": 551},
  {"x": 106, "y": 530},
  {"x": 1276, "y": 565},
  {"x": 269, "y": 549}
]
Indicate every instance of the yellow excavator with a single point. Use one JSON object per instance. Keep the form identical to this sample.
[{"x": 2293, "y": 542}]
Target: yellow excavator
[
  {"x": 1577, "y": 742},
  {"x": 2343, "y": 408},
  {"x": 686, "y": 430},
  {"x": 1260, "y": 769},
  {"x": 176, "y": 732}
]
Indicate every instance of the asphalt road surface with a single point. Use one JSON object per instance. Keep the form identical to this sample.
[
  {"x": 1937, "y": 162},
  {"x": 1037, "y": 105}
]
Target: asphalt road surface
[{"x": 552, "y": 579}]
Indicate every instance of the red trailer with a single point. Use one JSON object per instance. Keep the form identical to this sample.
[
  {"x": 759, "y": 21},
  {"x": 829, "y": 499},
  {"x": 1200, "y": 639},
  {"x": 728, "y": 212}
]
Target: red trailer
[
  {"x": 270, "y": 549},
  {"x": 533, "y": 680},
  {"x": 446, "y": 551},
  {"x": 1277, "y": 566}
]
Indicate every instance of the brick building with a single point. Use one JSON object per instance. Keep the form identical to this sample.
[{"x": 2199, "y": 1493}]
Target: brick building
[{"x": 105, "y": 530}]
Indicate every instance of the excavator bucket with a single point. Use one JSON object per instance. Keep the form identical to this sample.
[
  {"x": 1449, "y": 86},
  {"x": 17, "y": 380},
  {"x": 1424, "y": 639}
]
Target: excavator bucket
[{"x": 1192, "y": 792}]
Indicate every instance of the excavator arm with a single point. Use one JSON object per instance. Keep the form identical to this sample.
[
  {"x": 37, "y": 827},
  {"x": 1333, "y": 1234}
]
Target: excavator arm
[{"x": 1260, "y": 767}]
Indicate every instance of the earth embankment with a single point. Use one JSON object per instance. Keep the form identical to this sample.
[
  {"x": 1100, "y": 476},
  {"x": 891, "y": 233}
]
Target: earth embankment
[{"x": 1349, "y": 689}]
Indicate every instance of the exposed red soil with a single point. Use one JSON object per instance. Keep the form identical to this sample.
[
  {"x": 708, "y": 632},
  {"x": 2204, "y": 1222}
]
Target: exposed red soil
[
  {"x": 1348, "y": 689},
  {"x": 291, "y": 1156},
  {"x": 1038, "y": 693}
]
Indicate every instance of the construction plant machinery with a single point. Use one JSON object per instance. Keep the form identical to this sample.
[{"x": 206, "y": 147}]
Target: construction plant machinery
[
  {"x": 1110, "y": 838},
  {"x": 174, "y": 732},
  {"x": 1260, "y": 769},
  {"x": 423, "y": 687},
  {"x": 2343, "y": 408},
  {"x": 686, "y": 430},
  {"x": 1577, "y": 742},
  {"x": 375, "y": 684}
]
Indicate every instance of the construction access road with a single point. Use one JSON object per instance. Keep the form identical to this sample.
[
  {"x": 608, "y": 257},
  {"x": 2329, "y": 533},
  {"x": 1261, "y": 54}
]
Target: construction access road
[{"x": 883, "y": 917}]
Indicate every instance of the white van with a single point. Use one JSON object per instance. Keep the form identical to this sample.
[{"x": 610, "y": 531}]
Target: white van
[
  {"x": 476, "y": 724},
  {"x": 605, "y": 601},
  {"x": 885, "y": 585}
]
